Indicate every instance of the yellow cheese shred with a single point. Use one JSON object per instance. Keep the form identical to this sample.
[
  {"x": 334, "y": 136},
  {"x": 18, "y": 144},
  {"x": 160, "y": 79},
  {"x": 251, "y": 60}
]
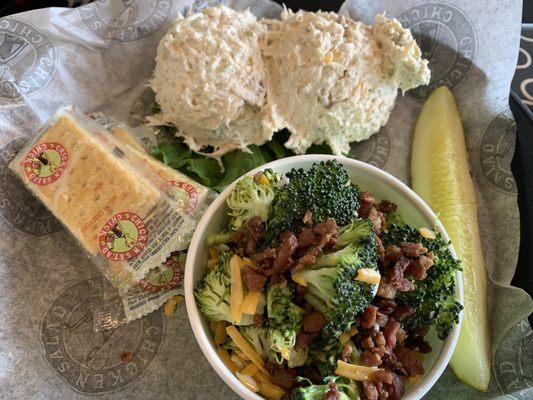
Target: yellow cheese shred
[
  {"x": 250, "y": 303},
  {"x": 355, "y": 372},
  {"x": 226, "y": 359},
  {"x": 245, "y": 347},
  {"x": 237, "y": 294},
  {"x": 368, "y": 275}
]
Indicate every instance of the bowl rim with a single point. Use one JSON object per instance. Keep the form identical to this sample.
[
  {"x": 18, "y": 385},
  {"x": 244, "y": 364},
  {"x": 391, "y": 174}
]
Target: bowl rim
[{"x": 194, "y": 315}]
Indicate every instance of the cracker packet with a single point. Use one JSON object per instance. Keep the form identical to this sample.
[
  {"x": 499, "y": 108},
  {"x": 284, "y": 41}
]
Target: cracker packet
[
  {"x": 150, "y": 293},
  {"x": 126, "y": 224},
  {"x": 190, "y": 196}
]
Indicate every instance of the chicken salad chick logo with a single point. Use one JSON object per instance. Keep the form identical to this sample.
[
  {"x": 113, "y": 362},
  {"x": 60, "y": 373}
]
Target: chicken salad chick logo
[
  {"x": 125, "y": 20},
  {"x": 375, "y": 150},
  {"x": 45, "y": 163},
  {"x": 28, "y": 59},
  {"x": 89, "y": 361},
  {"x": 447, "y": 38},
  {"x": 497, "y": 150},
  {"x": 184, "y": 193},
  {"x": 18, "y": 207},
  {"x": 167, "y": 277},
  {"x": 123, "y": 236}
]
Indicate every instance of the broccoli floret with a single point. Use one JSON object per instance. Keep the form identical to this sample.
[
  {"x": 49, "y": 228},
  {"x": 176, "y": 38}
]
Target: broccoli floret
[
  {"x": 433, "y": 297},
  {"x": 283, "y": 318},
  {"x": 298, "y": 358},
  {"x": 268, "y": 342},
  {"x": 347, "y": 391},
  {"x": 213, "y": 293},
  {"x": 259, "y": 338},
  {"x": 339, "y": 296},
  {"x": 359, "y": 232},
  {"x": 251, "y": 198},
  {"x": 324, "y": 189},
  {"x": 331, "y": 285},
  {"x": 273, "y": 179},
  {"x": 326, "y": 357},
  {"x": 216, "y": 239}
]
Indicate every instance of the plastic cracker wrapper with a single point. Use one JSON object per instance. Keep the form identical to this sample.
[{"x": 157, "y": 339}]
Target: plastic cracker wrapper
[
  {"x": 125, "y": 223},
  {"x": 189, "y": 196},
  {"x": 151, "y": 292}
]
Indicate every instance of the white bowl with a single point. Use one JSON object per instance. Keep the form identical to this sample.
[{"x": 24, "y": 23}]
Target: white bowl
[{"x": 383, "y": 185}]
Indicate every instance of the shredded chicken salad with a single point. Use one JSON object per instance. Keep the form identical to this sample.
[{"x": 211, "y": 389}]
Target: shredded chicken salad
[
  {"x": 225, "y": 80},
  {"x": 209, "y": 80}
]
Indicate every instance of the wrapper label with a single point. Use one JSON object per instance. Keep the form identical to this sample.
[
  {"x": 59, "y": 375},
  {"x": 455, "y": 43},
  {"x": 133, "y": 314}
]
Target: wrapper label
[
  {"x": 45, "y": 163},
  {"x": 123, "y": 236}
]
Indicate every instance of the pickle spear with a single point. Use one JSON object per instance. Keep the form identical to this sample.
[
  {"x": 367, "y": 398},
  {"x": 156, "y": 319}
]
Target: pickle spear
[{"x": 440, "y": 175}]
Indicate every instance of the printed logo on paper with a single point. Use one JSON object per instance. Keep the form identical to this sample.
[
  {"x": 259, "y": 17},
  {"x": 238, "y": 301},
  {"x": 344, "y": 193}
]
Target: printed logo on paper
[
  {"x": 89, "y": 361},
  {"x": 165, "y": 278},
  {"x": 513, "y": 362},
  {"x": 183, "y": 193},
  {"x": 447, "y": 39},
  {"x": 28, "y": 59},
  {"x": 201, "y": 4},
  {"x": 123, "y": 236},
  {"x": 45, "y": 163},
  {"x": 18, "y": 207},
  {"x": 497, "y": 150},
  {"x": 125, "y": 20},
  {"x": 374, "y": 151}
]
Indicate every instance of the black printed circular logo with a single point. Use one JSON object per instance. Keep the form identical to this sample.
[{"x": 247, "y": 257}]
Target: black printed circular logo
[
  {"x": 201, "y": 4},
  {"x": 18, "y": 207},
  {"x": 89, "y": 361},
  {"x": 513, "y": 362},
  {"x": 125, "y": 20},
  {"x": 447, "y": 39},
  {"x": 28, "y": 59},
  {"x": 496, "y": 152},
  {"x": 374, "y": 151}
]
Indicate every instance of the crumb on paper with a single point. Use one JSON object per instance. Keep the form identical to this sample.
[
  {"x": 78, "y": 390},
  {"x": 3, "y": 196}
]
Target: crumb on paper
[
  {"x": 170, "y": 306},
  {"x": 126, "y": 357}
]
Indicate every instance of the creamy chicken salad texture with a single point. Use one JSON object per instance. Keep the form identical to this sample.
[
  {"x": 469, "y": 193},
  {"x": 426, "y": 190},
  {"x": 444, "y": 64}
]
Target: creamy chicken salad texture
[{"x": 226, "y": 80}]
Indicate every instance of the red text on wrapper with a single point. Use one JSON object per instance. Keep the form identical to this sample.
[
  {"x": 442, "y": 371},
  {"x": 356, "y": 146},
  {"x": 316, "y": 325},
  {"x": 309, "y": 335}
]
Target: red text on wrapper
[
  {"x": 123, "y": 236},
  {"x": 183, "y": 192},
  {"x": 45, "y": 162}
]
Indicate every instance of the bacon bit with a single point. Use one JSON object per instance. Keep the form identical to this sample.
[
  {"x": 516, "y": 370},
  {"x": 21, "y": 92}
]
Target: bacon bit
[
  {"x": 328, "y": 226},
  {"x": 412, "y": 249},
  {"x": 126, "y": 357},
  {"x": 386, "y": 291},
  {"x": 393, "y": 253},
  {"x": 425, "y": 261},
  {"x": 306, "y": 237},
  {"x": 370, "y": 358},
  {"x": 332, "y": 393},
  {"x": 416, "y": 270},
  {"x": 376, "y": 218},
  {"x": 389, "y": 332},
  {"x": 304, "y": 339},
  {"x": 366, "y": 201},
  {"x": 409, "y": 360},
  {"x": 386, "y": 206},
  {"x": 284, "y": 378},
  {"x": 258, "y": 320},
  {"x": 369, "y": 317},
  {"x": 314, "y": 322}
]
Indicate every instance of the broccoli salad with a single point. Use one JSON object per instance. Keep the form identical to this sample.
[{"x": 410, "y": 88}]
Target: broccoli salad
[{"x": 317, "y": 291}]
